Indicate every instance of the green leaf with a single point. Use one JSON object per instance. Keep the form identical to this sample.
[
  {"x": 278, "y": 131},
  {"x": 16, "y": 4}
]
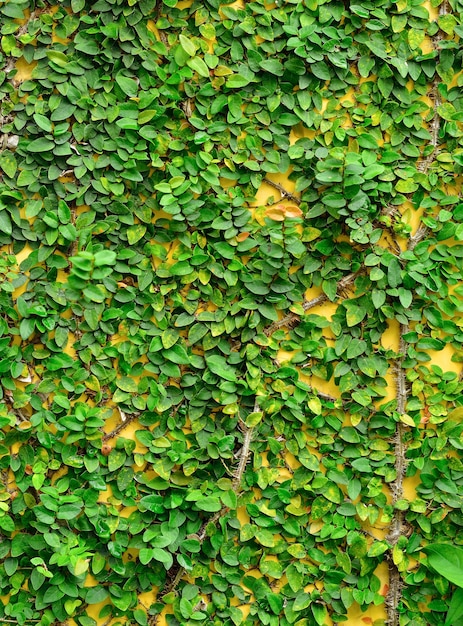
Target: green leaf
[
  {"x": 365, "y": 65},
  {"x": 446, "y": 560},
  {"x": 236, "y": 615},
  {"x": 177, "y": 354},
  {"x": 405, "y": 297},
  {"x": 6, "y": 227},
  {"x": 59, "y": 361},
  {"x": 373, "y": 170},
  {"x": 415, "y": 38},
  {"x": 40, "y": 145},
  {"x": 265, "y": 537},
  {"x": 58, "y": 58},
  {"x": 95, "y": 595},
  {"x": 95, "y": 293},
  {"x": 236, "y": 81},
  {"x": 169, "y": 337},
  {"x": 321, "y": 70},
  {"x": 365, "y": 140},
  {"x": 332, "y": 493},
  {"x": 135, "y": 233},
  {"x": 104, "y": 257},
  {"x": 26, "y": 178},
  {"x": 116, "y": 460},
  {"x": 208, "y": 503},
  {"x": 274, "y": 66},
  {"x": 355, "y": 314},
  {"x": 182, "y": 268},
  {"x": 164, "y": 557},
  {"x": 320, "y": 506},
  {"x": 127, "y": 123},
  {"x": 358, "y": 546},
  {"x": 146, "y": 116},
  {"x": 145, "y": 555},
  {"x": 398, "y": 22},
  {"x": 187, "y": 45},
  {"x": 275, "y": 601},
  {"x": 329, "y": 176},
  {"x": 127, "y": 384},
  {"x": 394, "y": 273},
  {"x": 447, "y": 23},
  {"x": 377, "y": 548},
  {"x": 320, "y": 613},
  {"x": 219, "y": 366},
  {"x": 294, "y": 577},
  {"x": 8, "y": 163},
  {"x": 362, "y": 397},
  {"x": 7, "y": 524},
  {"x": 302, "y": 601},
  {"x": 455, "y": 611},
  {"x": 315, "y": 405},
  {"x": 71, "y": 605},
  {"x": 253, "y": 419},
  {"x": 198, "y": 65},
  {"x": 140, "y": 617},
  {"x": 128, "y": 85}
]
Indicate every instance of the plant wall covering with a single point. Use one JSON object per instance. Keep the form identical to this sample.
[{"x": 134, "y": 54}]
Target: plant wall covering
[{"x": 215, "y": 221}]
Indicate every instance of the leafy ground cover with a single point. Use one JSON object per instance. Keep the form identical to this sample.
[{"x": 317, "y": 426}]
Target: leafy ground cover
[{"x": 215, "y": 220}]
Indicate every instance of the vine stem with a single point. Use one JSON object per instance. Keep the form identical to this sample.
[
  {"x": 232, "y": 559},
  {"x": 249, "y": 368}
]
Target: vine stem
[
  {"x": 396, "y": 527},
  {"x": 292, "y": 318},
  {"x": 434, "y": 126},
  {"x": 417, "y": 237},
  {"x": 284, "y": 192},
  {"x": 121, "y": 426},
  {"x": 245, "y": 453}
]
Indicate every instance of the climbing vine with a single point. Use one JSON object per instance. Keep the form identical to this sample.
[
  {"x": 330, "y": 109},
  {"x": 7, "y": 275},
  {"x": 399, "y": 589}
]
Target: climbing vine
[{"x": 230, "y": 342}]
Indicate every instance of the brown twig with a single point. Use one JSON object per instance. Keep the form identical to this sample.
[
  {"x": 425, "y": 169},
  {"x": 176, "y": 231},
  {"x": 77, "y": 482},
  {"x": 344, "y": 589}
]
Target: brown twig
[
  {"x": 13, "y": 621},
  {"x": 25, "y": 26},
  {"x": 435, "y": 124},
  {"x": 417, "y": 237},
  {"x": 120, "y": 427},
  {"x": 293, "y": 318},
  {"x": 396, "y": 528},
  {"x": 284, "y": 192},
  {"x": 245, "y": 452},
  {"x": 202, "y": 533}
]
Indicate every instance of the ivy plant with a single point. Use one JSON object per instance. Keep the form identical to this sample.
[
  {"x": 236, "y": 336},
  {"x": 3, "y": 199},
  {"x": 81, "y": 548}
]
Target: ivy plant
[{"x": 230, "y": 336}]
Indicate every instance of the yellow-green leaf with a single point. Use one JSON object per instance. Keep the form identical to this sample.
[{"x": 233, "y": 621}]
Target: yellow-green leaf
[
  {"x": 8, "y": 163},
  {"x": 135, "y": 233},
  {"x": 407, "y": 420}
]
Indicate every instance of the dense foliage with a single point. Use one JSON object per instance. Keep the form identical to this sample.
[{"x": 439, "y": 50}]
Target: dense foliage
[{"x": 164, "y": 350}]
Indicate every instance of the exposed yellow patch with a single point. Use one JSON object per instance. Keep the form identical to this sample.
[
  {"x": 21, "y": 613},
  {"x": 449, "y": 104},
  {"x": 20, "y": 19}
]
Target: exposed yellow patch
[
  {"x": 409, "y": 487},
  {"x": 242, "y": 515},
  {"x": 105, "y": 495},
  {"x": 390, "y": 338},
  {"x": 355, "y": 616},
  {"x": 443, "y": 358},
  {"x": 57, "y": 39},
  {"x": 25, "y": 252},
  {"x": 24, "y": 70},
  {"x": 432, "y": 10},
  {"x": 324, "y": 386}
]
